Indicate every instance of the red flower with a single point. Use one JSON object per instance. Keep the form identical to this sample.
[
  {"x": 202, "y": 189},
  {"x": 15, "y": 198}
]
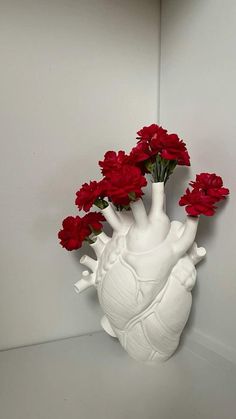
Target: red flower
[
  {"x": 121, "y": 183},
  {"x": 113, "y": 161},
  {"x": 74, "y": 232},
  {"x": 170, "y": 147},
  {"x": 88, "y": 194},
  {"x": 207, "y": 190},
  {"x": 210, "y": 184},
  {"x": 139, "y": 155},
  {"x": 77, "y": 229},
  {"x": 197, "y": 203},
  {"x": 94, "y": 220},
  {"x": 147, "y": 133}
]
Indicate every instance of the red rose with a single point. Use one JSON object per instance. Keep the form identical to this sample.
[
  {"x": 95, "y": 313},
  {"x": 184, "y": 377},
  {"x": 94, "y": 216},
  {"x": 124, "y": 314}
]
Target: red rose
[
  {"x": 113, "y": 161},
  {"x": 197, "y": 203},
  {"x": 170, "y": 147},
  {"x": 210, "y": 184},
  {"x": 73, "y": 233},
  {"x": 94, "y": 220},
  {"x": 88, "y": 194},
  {"x": 147, "y": 133},
  {"x": 124, "y": 182}
]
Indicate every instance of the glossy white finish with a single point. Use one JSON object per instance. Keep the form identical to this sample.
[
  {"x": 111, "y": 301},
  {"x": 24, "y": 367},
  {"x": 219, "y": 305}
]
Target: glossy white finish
[{"x": 144, "y": 275}]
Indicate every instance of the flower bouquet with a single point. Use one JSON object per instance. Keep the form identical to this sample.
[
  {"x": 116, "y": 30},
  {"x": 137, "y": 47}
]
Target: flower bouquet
[{"x": 145, "y": 272}]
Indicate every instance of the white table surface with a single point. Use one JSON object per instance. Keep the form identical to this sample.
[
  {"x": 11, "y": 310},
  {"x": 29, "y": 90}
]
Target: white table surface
[{"x": 90, "y": 377}]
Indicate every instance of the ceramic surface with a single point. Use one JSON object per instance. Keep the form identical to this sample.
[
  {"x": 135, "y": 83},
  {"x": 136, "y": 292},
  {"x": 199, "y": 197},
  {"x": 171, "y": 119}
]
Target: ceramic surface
[{"x": 144, "y": 275}]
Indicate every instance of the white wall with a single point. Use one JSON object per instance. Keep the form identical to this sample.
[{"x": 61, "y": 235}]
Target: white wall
[
  {"x": 77, "y": 77},
  {"x": 198, "y": 67}
]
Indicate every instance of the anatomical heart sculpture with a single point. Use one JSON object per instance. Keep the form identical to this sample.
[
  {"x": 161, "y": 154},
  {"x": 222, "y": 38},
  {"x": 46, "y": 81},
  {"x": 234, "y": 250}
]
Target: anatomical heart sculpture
[{"x": 145, "y": 272}]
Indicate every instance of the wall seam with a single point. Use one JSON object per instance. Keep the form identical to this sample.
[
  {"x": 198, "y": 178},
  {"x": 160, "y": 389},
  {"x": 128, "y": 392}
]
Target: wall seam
[{"x": 159, "y": 65}]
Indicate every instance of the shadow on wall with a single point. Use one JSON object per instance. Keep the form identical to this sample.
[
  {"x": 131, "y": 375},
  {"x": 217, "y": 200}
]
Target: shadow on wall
[
  {"x": 59, "y": 192},
  {"x": 206, "y": 230},
  {"x": 181, "y": 10},
  {"x": 176, "y": 186}
]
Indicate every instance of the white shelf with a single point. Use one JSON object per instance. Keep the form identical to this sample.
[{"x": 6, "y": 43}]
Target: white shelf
[{"x": 90, "y": 377}]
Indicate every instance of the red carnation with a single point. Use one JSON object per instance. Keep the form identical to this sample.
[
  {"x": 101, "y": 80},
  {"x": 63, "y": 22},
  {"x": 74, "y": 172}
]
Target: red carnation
[
  {"x": 170, "y": 147},
  {"x": 123, "y": 183},
  {"x": 207, "y": 190},
  {"x": 147, "y": 133},
  {"x": 74, "y": 232},
  {"x": 139, "y": 155},
  {"x": 94, "y": 220},
  {"x": 210, "y": 184},
  {"x": 197, "y": 203},
  {"x": 77, "y": 229},
  {"x": 88, "y": 194},
  {"x": 113, "y": 161}
]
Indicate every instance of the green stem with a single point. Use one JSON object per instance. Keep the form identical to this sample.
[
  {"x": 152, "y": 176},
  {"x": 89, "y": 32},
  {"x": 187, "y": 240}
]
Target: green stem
[
  {"x": 101, "y": 203},
  {"x": 149, "y": 166},
  {"x": 170, "y": 168},
  {"x": 89, "y": 240}
]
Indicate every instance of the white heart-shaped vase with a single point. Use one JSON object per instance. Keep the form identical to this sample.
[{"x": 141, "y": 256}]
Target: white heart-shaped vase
[{"x": 144, "y": 275}]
